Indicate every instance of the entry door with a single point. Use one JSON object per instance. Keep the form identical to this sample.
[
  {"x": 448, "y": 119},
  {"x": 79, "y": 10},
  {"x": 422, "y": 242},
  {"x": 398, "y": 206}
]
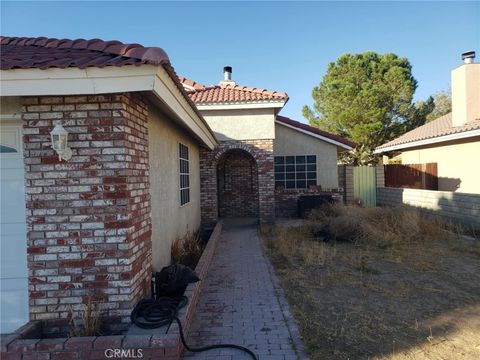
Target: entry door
[{"x": 13, "y": 243}]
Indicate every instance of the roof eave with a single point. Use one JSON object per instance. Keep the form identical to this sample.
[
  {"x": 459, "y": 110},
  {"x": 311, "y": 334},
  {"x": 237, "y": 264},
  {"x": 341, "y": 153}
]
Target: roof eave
[
  {"x": 315, "y": 135},
  {"x": 242, "y": 105},
  {"x": 423, "y": 142},
  {"x": 92, "y": 81}
]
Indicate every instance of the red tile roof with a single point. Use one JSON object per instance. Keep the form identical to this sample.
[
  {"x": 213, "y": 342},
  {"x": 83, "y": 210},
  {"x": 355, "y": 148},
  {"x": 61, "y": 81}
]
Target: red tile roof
[
  {"x": 313, "y": 130},
  {"x": 43, "y": 53},
  {"x": 229, "y": 93},
  {"x": 436, "y": 128}
]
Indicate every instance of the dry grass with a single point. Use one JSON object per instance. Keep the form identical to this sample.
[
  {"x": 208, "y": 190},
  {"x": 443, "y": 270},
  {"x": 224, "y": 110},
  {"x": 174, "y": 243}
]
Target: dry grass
[
  {"x": 86, "y": 322},
  {"x": 381, "y": 227},
  {"x": 378, "y": 287},
  {"x": 187, "y": 250}
]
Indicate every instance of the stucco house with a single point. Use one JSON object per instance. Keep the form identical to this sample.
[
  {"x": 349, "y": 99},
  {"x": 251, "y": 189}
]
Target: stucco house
[
  {"x": 453, "y": 140},
  {"x": 107, "y": 156},
  {"x": 264, "y": 161}
]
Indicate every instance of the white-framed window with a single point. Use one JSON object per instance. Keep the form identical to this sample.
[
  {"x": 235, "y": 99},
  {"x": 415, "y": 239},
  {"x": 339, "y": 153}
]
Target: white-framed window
[
  {"x": 184, "y": 168},
  {"x": 295, "y": 172}
]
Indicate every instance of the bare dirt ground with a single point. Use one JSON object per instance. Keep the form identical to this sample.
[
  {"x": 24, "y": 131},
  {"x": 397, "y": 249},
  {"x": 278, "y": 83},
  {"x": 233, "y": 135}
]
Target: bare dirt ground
[{"x": 368, "y": 299}]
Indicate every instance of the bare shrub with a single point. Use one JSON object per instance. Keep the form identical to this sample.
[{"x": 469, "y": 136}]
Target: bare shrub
[
  {"x": 187, "y": 250},
  {"x": 86, "y": 322},
  {"x": 381, "y": 227}
]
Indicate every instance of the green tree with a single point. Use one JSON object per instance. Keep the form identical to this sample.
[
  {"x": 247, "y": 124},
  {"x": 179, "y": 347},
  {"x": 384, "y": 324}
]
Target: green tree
[
  {"x": 367, "y": 98},
  {"x": 443, "y": 105}
]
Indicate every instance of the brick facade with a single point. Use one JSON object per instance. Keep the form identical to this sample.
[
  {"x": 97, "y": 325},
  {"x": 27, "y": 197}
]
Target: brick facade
[
  {"x": 28, "y": 342},
  {"x": 262, "y": 152},
  {"x": 88, "y": 219},
  {"x": 237, "y": 184}
]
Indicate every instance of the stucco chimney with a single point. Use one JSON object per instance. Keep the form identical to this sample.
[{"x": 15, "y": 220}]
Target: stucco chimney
[
  {"x": 466, "y": 91},
  {"x": 227, "y": 76}
]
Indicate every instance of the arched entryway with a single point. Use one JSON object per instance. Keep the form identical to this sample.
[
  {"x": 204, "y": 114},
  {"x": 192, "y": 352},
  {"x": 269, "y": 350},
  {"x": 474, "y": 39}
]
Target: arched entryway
[{"x": 237, "y": 185}]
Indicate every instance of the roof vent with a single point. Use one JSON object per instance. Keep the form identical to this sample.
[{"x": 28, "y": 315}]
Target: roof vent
[
  {"x": 227, "y": 77},
  {"x": 468, "y": 57},
  {"x": 227, "y": 73}
]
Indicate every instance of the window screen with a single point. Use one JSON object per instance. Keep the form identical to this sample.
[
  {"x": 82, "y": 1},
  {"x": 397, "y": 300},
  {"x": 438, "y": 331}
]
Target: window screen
[
  {"x": 295, "y": 172},
  {"x": 184, "y": 174}
]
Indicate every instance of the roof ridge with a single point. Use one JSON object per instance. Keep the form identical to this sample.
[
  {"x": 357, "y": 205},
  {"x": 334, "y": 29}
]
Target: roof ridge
[
  {"x": 252, "y": 89},
  {"x": 198, "y": 87},
  {"x": 150, "y": 55}
]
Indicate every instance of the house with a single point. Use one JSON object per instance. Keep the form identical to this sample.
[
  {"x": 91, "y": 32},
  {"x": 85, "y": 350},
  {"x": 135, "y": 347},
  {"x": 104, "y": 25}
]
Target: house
[
  {"x": 453, "y": 140},
  {"x": 107, "y": 156},
  {"x": 98, "y": 223},
  {"x": 264, "y": 161}
]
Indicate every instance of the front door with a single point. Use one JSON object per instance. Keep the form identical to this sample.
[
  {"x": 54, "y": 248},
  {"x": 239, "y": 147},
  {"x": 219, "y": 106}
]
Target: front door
[
  {"x": 13, "y": 249},
  {"x": 237, "y": 185}
]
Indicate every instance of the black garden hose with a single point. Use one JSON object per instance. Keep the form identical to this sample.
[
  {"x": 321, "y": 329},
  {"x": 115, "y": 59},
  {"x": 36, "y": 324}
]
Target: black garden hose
[{"x": 154, "y": 313}]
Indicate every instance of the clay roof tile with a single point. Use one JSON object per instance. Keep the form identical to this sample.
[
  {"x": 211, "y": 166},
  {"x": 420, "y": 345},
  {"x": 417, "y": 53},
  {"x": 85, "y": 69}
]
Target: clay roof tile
[{"x": 44, "y": 52}]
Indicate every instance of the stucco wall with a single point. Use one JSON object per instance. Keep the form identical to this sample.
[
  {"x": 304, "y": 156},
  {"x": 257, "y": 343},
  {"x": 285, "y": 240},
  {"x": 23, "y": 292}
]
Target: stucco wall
[
  {"x": 290, "y": 142},
  {"x": 169, "y": 219},
  {"x": 457, "y": 170},
  {"x": 462, "y": 208},
  {"x": 247, "y": 124},
  {"x": 10, "y": 106}
]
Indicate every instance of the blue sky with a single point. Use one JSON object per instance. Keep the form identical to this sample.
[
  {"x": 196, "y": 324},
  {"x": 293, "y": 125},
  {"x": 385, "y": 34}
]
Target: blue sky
[{"x": 284, "y": 46}]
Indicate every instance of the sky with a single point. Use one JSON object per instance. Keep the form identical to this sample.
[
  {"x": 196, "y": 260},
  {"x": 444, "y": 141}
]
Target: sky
[{"x": 282, "y": 46}]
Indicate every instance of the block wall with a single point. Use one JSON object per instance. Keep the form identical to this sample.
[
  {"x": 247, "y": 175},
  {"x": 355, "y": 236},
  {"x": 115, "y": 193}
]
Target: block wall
[{"x": 458, "y": 207}]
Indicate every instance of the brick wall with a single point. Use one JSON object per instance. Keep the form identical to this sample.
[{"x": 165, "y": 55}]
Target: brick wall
[
  {"x": 88, "y": 219},
  {"x": 262, "y": 152},
  {"x": 28, "y": 341},
  {"x": 237, "y": 185},
  {"x": 459, "y": 207}
]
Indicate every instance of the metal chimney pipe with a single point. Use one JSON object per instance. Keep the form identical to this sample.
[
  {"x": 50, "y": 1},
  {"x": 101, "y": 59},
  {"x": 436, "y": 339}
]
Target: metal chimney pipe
[
  {"x": 468, "y": 57},
  {"x": 227, "y": 73}
]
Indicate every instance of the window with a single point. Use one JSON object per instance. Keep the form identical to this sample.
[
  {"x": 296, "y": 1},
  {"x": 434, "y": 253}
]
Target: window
[
  {"x": 184, "y": 174},
  {"x": 7, "y": 149},
  {"x": 295, "y": 172}
]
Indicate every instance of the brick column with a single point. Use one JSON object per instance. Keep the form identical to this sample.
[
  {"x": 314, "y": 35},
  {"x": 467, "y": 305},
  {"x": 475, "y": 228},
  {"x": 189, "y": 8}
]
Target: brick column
[{"x": 88, "y": 219}]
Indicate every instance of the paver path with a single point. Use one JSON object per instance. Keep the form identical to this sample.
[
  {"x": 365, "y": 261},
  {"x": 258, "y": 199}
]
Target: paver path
[{"x": 242, "y": 302}]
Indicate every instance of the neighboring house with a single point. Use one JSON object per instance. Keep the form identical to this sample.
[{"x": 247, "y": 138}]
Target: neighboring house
[
  {"x": 145, "y": 168},
  {"x": 452, "y": 141},
  {"x": 264, "y": 161},
  {"x": 98, "y": 223}
]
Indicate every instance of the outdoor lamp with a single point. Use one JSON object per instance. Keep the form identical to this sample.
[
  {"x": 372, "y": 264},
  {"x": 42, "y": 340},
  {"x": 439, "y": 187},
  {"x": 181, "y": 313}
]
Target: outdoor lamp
[{"x": 60, "y": 143}]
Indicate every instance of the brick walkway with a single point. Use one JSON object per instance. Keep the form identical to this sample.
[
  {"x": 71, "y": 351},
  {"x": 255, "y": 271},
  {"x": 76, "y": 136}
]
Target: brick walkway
[{"x": 242, "y": 302}]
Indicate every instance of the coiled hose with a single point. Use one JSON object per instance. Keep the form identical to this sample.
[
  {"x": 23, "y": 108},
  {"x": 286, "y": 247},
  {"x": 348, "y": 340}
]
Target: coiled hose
[{"x": 154, "y": 313}]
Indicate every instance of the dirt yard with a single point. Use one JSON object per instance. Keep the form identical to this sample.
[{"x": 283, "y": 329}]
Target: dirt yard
[{"x": 379, "y": 284}]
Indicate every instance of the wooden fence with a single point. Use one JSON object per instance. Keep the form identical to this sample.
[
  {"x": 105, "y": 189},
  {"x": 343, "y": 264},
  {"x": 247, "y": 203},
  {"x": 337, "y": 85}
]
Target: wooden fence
[{"x": 413, "y": 176}]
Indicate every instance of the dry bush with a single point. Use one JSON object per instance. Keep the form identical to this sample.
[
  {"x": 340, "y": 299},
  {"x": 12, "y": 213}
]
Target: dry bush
[
  {"x": 86, "y": 322},
  {"x": 381, "y": 227},
  {"x": 187, "y": 250}
]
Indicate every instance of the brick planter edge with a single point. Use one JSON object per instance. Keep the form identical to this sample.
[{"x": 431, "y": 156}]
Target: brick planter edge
[{"x": 167, "y": 347}]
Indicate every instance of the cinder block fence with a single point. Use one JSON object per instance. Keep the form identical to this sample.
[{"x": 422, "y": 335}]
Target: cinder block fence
[{"x": 459, "y": 207}]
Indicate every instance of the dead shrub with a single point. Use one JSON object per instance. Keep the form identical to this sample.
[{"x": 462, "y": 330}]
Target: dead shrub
[
  {"x": 187, "y": 250},
  {"x": 86, "y": 322},
  {"x": 381, "y": 227}
]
